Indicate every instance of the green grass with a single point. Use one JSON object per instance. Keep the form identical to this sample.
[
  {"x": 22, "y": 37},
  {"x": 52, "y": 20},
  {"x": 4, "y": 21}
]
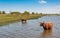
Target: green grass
[{"x": 4, "y": 18}]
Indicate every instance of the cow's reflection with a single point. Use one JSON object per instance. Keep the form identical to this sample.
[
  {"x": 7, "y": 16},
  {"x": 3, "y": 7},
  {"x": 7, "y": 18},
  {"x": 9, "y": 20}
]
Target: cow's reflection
[{"x": 46, "y": 33}]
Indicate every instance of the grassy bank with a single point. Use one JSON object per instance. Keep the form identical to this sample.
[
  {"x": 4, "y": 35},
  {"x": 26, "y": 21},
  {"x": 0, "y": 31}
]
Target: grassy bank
[
  {"x": 52, "y": 14},
  {"x": 5, "y": 18},
  {"x": 9, "y": 18}
]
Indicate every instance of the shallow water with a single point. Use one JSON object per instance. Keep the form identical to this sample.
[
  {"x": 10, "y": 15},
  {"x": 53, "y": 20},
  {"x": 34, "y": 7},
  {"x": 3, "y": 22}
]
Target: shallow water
[{"x": 31, "y": 29}]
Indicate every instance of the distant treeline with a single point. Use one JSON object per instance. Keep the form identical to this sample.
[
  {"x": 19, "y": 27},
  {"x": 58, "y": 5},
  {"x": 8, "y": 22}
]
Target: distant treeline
[
  {"x": 2, "y": 12},
  {"x": 25, "y": 12}
]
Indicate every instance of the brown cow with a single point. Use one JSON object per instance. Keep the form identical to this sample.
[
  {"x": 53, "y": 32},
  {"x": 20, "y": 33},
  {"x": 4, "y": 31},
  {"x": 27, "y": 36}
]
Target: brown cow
[
  {"x": 23, "y": 20},
  {"x": 46, "y": 26}
]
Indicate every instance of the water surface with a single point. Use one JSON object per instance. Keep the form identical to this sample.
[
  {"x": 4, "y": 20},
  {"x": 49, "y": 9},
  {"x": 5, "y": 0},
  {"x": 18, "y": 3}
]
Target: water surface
[{"x": 31, "y": 29}]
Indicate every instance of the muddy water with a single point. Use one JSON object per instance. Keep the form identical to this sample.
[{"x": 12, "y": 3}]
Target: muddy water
[{"x": 31, "y": 29}]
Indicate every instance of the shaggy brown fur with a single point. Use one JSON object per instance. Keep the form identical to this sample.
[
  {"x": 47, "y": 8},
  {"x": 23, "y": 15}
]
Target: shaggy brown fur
[{"x": 47, "y": 26}]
